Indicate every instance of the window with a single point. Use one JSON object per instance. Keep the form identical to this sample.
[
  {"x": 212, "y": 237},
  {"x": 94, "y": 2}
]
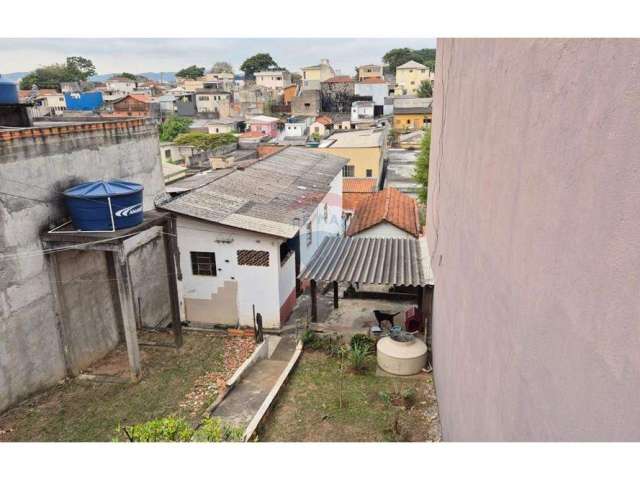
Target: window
[
  {"x": 326, "y": 212},
  {"x": 317, "y": 129},
  {"x": 254, "y": 258},
  {"x": 203, "y": 263},
  {"x": 369, "y": 172},
  {"x": 203, "y": 98},
  {"x": 348, "y": 171},
  {"x": 309, "y": 234},
  {"x": 408, "y": 122},
  {"x": 412, "y": 82},
  {"x": 410, "y": 71},
  {"x": 307, "y": 105},
  {"x": 167, "y": 153}
]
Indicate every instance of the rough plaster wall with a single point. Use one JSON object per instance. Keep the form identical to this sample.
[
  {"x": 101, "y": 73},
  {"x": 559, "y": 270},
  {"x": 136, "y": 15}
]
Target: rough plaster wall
[
  {"x": 220, "y": 309},
  {"x": 534, "y": 194},
  {"x": 91, "y": 321},
  {"x": 30, "y": 350},
  {"x": 149, "y": 277}
]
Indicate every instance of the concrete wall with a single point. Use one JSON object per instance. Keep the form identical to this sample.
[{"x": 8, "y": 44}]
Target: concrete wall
[
  {"x": 532, "y": 225},
  {"x": 30, "y": 345}
]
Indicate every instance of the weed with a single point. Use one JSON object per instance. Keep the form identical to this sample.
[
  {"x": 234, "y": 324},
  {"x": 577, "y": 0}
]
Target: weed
[
  {"x": 358, "y": 357},
  {"x": 360, "y": 339}
]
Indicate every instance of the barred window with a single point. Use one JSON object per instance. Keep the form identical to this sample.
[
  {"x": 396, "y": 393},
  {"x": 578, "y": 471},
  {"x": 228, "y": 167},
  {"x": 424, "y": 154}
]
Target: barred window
[
  {"x": 255, "y": 258},
  {"x": 203, "y": 263}
]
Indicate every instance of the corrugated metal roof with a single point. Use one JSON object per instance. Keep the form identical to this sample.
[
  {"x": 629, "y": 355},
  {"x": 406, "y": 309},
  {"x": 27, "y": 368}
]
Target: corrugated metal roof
[
  {"x": 275, "y": 196},
  {"x": 388, "y": 261}
]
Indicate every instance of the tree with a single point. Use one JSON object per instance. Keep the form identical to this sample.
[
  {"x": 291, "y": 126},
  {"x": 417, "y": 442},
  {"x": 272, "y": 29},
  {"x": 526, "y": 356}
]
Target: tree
[
  {"x": 206, "y": 141},
  {"x": 222, "y": 67},
  {"x": 128, "y": 75},
  {"x": 421, "y": 172},
  {"x": 192, "y": 72},
  {"x": 174, "y": 126},
  {"x": 425, "y": 90},
  {"x": 398, "y": 56},
  {"x": 257, "y": 63},
  {"x": 75, "y": 69},
  {"x": 83, "y": 66}
]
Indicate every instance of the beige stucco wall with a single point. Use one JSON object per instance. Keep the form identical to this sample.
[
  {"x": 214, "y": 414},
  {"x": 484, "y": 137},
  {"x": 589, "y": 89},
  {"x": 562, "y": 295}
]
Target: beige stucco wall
[
  {"x": 361, "y": 158},
  {"x": 405, "y": 77},
  {"x": 534, "y": 195}
]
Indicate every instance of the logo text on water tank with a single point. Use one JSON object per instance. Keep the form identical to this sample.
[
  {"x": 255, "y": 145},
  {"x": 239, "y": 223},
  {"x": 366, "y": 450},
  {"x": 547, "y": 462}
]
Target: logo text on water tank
[{"x": 130, "y": 210}]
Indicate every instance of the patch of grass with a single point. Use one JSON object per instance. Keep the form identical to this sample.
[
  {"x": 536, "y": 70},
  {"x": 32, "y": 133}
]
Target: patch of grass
[
  {"x": 82, "y": 411},
  {"x": 308, "y": 407}
]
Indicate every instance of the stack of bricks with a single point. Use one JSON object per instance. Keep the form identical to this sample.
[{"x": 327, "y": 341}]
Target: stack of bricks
[{"x": 40, "y": 132}]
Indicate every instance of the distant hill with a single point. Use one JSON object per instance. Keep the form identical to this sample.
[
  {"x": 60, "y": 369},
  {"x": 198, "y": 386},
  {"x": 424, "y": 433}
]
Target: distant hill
[{"x": 166, "y": 76}]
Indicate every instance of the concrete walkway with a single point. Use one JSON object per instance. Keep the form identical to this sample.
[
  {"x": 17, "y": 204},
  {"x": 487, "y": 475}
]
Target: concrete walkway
[{"x": 244, "y": 401}]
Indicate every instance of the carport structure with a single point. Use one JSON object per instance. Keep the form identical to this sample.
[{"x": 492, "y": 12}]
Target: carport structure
[
  {"x": 396, "y": 262},
  {"x": 118, "y": 245}
]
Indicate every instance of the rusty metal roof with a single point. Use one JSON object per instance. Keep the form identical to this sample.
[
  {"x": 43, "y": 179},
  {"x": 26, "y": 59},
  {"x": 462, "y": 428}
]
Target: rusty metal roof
[{"x": 388, "y": 261}]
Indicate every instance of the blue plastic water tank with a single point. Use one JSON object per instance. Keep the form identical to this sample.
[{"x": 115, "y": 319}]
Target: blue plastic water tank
[
  {"x": 8, "y": 92},
  {"x": 88, "y": 205}
]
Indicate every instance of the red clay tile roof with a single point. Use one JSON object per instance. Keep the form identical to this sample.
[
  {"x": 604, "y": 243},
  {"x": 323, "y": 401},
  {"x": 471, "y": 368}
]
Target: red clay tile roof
[
  {"x": 373, "y": 80},
  {"x": 252, "y": 134},
  {"x": 350, "y": 200},
  {"x": 324, "y": 120},
  {"x": 41, "y": 91},
  {"x": 359, "y": 185},
  {"x": 388, "y": 205},
  {"x": 340, "y": 79},
  {"x": 142, "y": 97}
]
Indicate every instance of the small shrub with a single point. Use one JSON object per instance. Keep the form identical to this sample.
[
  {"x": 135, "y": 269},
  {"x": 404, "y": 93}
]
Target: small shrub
[
  {"x": 409, "y": 395},
  {"x": 214, "y": 430},
  {"x": 385, "y": 397},
  {"x": 358, "y": 357},
  {"x": 309, "y": 337},
  {"x": 168, "y": 429},
  {"x": 360, "y": 339}
]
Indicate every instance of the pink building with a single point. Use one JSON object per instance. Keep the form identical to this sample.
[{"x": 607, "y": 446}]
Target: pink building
[
  {"x": 534, "y": 239},
  {"x": 264, "y": 124}
]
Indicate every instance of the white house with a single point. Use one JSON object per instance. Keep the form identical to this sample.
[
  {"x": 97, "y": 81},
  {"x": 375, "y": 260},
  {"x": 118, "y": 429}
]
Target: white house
[
  {"x": 376, "y": 88},
  {"x": 244, "y": 237},
  {"x": 387, "y": 213},
  {"x": 121, "y": 85},
  {"x": 274, "y": 79},
  {"x": 224, "y": 125},
  {"x": 362, "y": 110},
  {"x": 297, "y": 126}
]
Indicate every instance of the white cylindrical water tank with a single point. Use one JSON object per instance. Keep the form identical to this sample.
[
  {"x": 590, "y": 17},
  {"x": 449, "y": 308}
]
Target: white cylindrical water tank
[{"x": 401, "y": 358}]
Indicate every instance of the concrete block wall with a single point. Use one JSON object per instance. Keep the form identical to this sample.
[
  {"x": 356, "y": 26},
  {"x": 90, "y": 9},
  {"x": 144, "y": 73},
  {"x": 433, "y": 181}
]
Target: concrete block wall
[{"x": 36, "y": 164}]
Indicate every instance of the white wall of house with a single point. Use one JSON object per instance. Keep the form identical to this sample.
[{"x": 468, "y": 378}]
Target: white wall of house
[
  {"x": 377, "y": 91},
  {"x": 121, "y": 86},
  {"x": 384, "y": 230},
  {"x": 295, "y": 129},
  {"x": 322, "y": 225},
  {"x": 221, "y": 128},
  {"x": 229, "y": 296},
  {"x": 274, "y": 80},
  {"x": 213, "y": 102},
  {"x": 361, "y": 111}
]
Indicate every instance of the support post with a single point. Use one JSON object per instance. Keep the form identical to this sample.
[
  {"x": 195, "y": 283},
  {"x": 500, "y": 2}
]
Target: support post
[
  {"x": 60, "y": 310},
  {"x": 128, "y": 314},
  {"x": 314, "y": 301},
  {"x": 169, "y": 230},
  {"x": 335, "y": 294}
]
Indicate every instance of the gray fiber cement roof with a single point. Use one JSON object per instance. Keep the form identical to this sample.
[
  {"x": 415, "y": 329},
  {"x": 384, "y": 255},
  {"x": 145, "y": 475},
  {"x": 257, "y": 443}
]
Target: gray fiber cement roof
[
  {"x": 275, "y": 196},
  {"x": 388, "y": 261}
]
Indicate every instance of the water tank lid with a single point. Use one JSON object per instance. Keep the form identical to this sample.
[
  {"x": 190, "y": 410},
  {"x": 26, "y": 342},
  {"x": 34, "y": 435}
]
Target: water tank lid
[
  {"x": 102, "y": 189},
  {"x": 7, "y": 82}
]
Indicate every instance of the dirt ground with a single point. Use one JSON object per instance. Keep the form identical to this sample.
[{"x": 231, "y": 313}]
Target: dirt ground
[
  {"x": 376, "y": 408},
  {"x": 181, "y": 383}
]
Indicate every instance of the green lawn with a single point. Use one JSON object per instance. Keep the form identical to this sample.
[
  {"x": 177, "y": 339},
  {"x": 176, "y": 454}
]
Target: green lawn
[
  {"x": 174, "y": 383},
  {"x": 373, "y": 409}
]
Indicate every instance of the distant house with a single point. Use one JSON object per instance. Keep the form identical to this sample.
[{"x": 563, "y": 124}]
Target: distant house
[
  {"x": 288, "y": 93},
  {"x": 245, "y": 236},
  {"x": 213, "y": 101},
  {"x": 263, "y": 124},
  {"x": 376, "y": 88},
  {"x": 167, "y": 103},
  {"x": 225, "y": 125},
  {"x": 409, "y": 76},
  {"x": 388, "y": 213},
  {"x": 337, "y": 94},
  {"x": 121, "y": 85},
  {"x": 274, "y": 79},
  {"x": 369, "y": 71},
  {"x": 315, "y": 74},
  {"x": 135, "y": 106},
  {"x": 411, "y": 113},
  {"x": 322, "y": 126},
  {"x": 297, "y": 126},
  {"x": 186, "y": 104},
  {"x": 306, "y": 103},
  {"x": 86, "y": 101},
  {"x": 365, "y": 150},
  {"x": 362, "y": 110},
  {"x": 45, "y": 102}
]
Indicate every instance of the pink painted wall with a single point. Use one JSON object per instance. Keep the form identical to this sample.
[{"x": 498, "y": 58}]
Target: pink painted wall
[
  {"x": 268, "y": 128},
  {"x": 534, "y": 231}
]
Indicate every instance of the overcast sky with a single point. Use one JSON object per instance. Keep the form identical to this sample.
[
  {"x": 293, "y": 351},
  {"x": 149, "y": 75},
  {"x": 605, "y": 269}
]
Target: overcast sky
[{"x": 137, "y": 55}]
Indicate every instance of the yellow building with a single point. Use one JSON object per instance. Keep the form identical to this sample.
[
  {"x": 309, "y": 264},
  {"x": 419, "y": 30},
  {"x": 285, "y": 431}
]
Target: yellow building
[
  {"x": 409, "y": 76},
  {"x": 312, "y": 76},
  {"x": 364, "y": 149},
  {"x": 369, "y": 71},
  {"x": 411, "y": 113}
]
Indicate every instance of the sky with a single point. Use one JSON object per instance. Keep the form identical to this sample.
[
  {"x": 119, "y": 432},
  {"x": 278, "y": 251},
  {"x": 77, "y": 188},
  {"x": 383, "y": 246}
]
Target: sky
[{"x": 137, "y": 55}]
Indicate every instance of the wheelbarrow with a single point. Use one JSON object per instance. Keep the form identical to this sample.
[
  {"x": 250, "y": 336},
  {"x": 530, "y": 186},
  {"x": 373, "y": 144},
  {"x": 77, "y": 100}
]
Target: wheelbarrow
[{"x": 381, "y": 316}]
